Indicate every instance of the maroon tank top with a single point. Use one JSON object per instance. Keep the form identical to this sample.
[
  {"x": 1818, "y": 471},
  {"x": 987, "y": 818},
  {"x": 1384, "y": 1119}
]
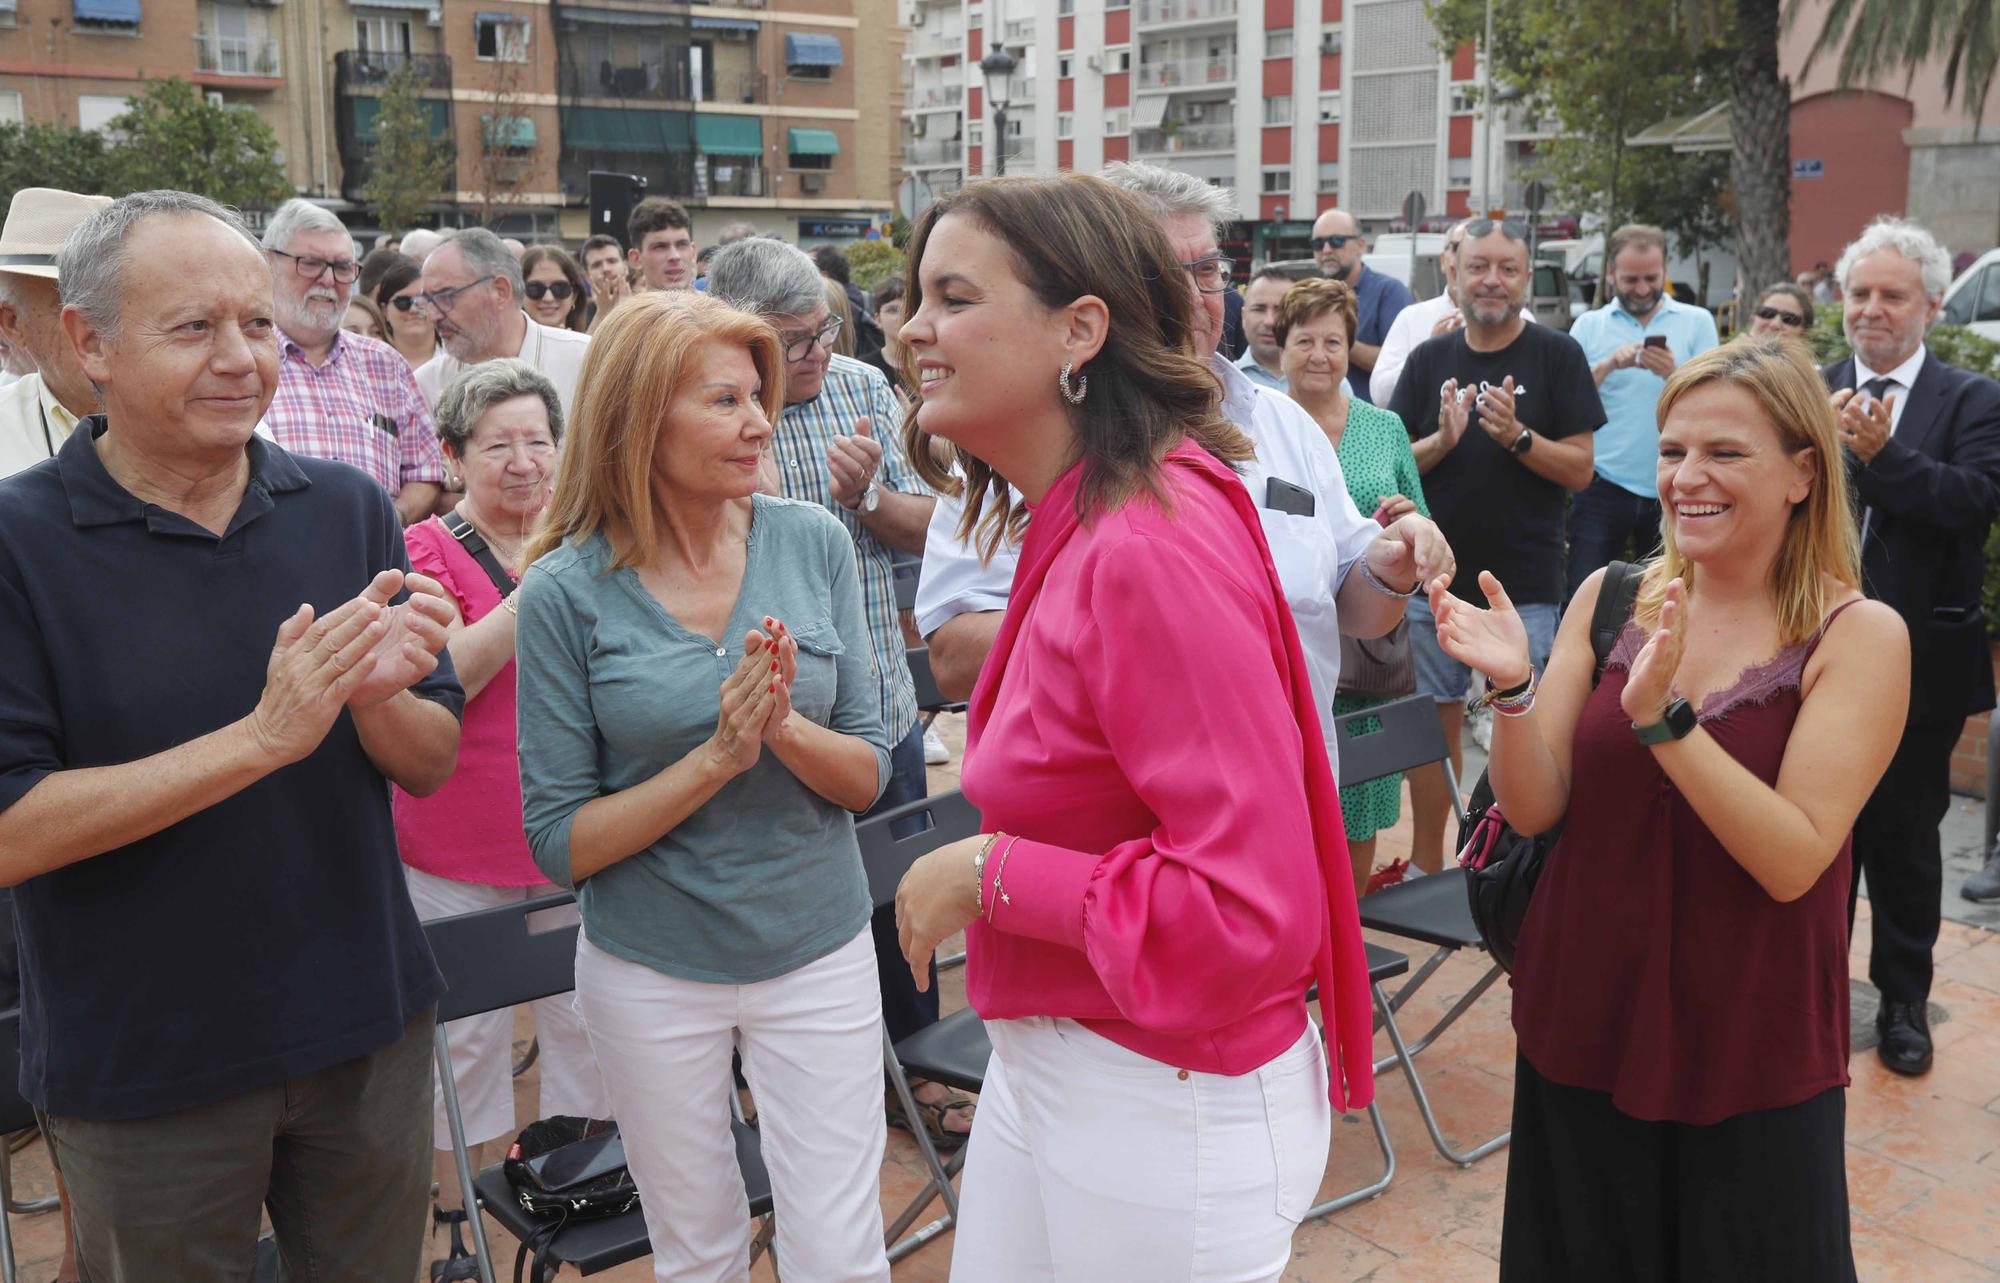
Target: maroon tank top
[{"x": 1652, "y": 966}]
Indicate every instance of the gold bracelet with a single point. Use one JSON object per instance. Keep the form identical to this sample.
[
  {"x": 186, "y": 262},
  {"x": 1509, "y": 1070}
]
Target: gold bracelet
[
  {"x": 999, "y": 891},
  {"x": 979, "y": 871}
]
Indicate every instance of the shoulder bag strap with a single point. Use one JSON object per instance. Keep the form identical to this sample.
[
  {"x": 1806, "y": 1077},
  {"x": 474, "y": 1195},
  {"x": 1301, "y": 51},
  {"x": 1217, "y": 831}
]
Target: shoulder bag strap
[
  {"x": 462, "y": 530},
  {"x": 1615, "y": 597}
]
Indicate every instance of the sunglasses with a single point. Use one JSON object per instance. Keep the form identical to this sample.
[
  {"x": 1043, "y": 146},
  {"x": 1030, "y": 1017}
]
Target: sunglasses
[
  {"x": 1792, "y": 319},
  {"x": 1331, "y": 242},
  {"x": 560, "y": 289},
  {"x": 1510, "y": 228}
]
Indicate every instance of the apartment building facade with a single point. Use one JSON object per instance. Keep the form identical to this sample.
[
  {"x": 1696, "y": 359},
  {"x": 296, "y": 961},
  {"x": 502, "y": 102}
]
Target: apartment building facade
[
  {"x": 743, "y": 109},
  {"x": 1297, "y": 106}
]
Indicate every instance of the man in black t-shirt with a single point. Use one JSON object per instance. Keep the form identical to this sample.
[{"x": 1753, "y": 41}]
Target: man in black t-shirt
[{"x": 1501, "y": 414}]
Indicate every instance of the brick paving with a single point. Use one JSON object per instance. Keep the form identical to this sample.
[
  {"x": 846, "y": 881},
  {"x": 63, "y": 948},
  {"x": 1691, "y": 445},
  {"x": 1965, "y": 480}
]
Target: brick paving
[{"x": 1923, "y": 1156}]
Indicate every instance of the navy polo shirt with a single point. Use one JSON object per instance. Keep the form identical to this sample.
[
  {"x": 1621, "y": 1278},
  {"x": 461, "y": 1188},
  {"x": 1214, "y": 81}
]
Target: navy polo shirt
[
  {"x": 270, "y": 935},
  {"x": 1378, "y": 301}
]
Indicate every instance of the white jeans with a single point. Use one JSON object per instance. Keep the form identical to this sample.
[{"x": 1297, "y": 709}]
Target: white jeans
[
  {"x": 1093, "y": 1164},
  {"x": 482, "y": 1047},
  {"x": 811, "y": 1042}
]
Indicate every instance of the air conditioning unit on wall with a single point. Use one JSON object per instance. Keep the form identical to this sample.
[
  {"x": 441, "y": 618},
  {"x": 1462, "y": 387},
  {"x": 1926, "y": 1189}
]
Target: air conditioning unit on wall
[{"x": 812, "y": 182}]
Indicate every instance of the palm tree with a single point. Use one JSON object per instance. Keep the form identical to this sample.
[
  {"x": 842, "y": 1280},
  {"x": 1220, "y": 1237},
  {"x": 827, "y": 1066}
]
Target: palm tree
[
  {"x": 1878, "y": 37},
  {"x": 1760, "y": 159}
]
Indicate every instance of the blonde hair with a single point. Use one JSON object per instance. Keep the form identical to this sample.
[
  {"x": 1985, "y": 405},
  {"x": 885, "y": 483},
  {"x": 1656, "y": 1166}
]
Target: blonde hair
[
  {"x": 639, "y": 360},
  {"x": 1820, "y": 540}
]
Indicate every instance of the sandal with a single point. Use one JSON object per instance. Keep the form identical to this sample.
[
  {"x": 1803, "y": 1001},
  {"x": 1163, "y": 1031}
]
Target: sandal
[
  {"x": 1387, "y": 876},
  {"x": 933, "y": 1115},
  {"x": 461, "y": 1264}
]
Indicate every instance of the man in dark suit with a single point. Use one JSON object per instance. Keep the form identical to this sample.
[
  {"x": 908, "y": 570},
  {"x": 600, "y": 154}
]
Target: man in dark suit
[{"x": 1923, "y": 442}]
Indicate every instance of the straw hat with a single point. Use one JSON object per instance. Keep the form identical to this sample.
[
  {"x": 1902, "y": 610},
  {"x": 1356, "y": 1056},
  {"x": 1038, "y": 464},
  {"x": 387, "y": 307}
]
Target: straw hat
[{"x": 38, "y": 222}]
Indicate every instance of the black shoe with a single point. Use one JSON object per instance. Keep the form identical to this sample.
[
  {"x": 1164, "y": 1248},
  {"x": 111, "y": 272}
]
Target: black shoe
[{"x": 1904, "y": 1038}]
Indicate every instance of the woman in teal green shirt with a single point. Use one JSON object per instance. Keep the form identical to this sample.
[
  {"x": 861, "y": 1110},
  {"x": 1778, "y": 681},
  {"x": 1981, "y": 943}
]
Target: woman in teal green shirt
[{"x": 1315, "y": 325}]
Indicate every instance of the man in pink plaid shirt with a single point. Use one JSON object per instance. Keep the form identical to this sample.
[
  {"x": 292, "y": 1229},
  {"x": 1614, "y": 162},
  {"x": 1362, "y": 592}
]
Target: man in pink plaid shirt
[{"x": 341, "y": 395}]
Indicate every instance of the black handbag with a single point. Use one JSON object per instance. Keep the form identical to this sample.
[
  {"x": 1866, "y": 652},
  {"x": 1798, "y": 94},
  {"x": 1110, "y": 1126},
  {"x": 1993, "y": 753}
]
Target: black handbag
[
  {"x": 1502, "y": 866},
  {"x": 565, "y": 1169}
]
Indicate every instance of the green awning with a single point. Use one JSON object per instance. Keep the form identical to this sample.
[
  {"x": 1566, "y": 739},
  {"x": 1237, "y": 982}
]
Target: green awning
[
  {"x": 508, "y": 131},
  {"x": 625, "y": 129},
  {"x": 814, "y": 142},
  {"x": 729, "y": 135},
  {"x": 368, "y": 111}
]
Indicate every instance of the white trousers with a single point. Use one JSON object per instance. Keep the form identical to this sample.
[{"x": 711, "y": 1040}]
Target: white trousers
[
  {"x": 811, "y": 1043},
  {"x": 1093, "y": 1164},
  {"x": 482, "y": 1047}
]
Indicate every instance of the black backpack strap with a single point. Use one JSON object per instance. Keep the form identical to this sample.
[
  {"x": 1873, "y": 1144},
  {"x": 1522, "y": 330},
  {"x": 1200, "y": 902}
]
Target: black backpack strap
[
  {"x": 462, "y": 530},
  {"x": 1615, "y": 597}
]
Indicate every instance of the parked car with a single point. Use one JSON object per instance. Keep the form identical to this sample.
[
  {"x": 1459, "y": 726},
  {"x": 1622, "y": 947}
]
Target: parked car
[
  {"x": 1973, "y": 300},
  {"x": 1550, "y": 304}
]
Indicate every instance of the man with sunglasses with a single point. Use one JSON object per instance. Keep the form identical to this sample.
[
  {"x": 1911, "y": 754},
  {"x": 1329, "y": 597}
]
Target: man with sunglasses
[
  {"x": 341, "y": 395},
  {"x": 1337, "y": 244},
  {"x": 472, "y": 293}
]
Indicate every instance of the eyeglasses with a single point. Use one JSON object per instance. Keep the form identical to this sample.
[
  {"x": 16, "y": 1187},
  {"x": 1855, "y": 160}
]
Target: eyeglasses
[
  {"x": 560, "y": 289},
  {"x": 1512, "y": 230},
  {"x": 1331, "y": 242},
  {"x": 800, "y": 348},
  {"x": 445, "y": 300},
  {"x": 344, "y": 269},
  {"x": 1211, "y": 274},
  {"x": 1792, "y": 319}
]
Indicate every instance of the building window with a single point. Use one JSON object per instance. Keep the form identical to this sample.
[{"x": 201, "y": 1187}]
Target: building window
[
  {"x": 1065, "y": 125},
  {"x": 1329, "y": 175},
  {"x": 499, "y": 38},
  {"x": 10, "y": 107},
  {"x": 1117, "y": 122},
  {"x": 382, "y": 35},
  {"x": 799, "y": 161},
  {"x": 1458, "y": 171},
  {"x": 1277, "y": 182},
  {"x": 975, "y": 133},
  {"x": 1065, "y": 65},
  {"x": 809, "y": 72},
  {"x": 1462, "y": 99},
  {"x": 1329, "y": 41},
  {"x": 1064, "y": 8},
  {"x": 1117, "y": 59},
  {"x": 95, "y": 111},
  {"x": 1329, "y": 108},
  {"x": 1278, "y": 111},
  {"x": 1278, "y": 43},
  {"x": 1117, "y": 4}
]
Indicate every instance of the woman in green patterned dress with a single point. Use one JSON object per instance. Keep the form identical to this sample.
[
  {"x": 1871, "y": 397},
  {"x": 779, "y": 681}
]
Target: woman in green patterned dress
[{"x": 1315, "y": 323}]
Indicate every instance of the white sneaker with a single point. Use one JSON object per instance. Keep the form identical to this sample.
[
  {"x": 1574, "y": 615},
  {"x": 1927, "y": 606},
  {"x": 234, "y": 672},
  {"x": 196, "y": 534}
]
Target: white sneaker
[
  {"x": 1482, "y": 729},
  {"x": 935, "y": 753}
]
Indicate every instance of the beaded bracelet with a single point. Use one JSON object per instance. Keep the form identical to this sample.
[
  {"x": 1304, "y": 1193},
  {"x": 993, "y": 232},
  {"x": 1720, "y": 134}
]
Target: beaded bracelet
[{"x": 1515, "y": 702}]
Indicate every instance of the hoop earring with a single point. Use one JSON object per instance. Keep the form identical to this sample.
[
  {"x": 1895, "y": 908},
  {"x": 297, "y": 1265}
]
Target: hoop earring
[{"x": 1072, "y": 395}]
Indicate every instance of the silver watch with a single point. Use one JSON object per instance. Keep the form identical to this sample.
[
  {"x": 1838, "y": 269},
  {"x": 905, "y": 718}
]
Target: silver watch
[{"x": 871, "y": 499}]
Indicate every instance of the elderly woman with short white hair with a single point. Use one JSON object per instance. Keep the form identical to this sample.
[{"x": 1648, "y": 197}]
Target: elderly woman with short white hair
[{"x": 499, "y": 425}]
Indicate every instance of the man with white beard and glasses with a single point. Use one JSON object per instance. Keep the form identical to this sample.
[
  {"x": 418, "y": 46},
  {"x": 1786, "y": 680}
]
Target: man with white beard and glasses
[{"x": 341, "y": 395}]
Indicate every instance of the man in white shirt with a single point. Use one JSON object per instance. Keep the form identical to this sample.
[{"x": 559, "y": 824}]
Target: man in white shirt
[
  {"x": 1422, "y": 321},
  {"x": 959, "y": 602},
  {"x": 38, "y": 412},
  {"x": 472, "y": 293}
]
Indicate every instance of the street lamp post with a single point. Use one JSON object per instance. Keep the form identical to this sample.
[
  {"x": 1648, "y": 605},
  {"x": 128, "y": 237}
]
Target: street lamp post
[{"x": 998, "y": 68}]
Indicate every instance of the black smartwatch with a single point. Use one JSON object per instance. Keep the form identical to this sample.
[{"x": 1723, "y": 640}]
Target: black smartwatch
[
  {"x": 1676, "y": 722},
  {"x": 1523, "y": 443}
]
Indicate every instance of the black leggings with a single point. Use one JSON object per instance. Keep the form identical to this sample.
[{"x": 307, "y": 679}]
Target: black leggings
[{"x": 1595, "y": 1195}]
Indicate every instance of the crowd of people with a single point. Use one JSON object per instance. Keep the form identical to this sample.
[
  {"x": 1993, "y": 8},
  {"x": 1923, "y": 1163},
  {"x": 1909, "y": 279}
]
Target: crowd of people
[{"x": 469, "y": 572}]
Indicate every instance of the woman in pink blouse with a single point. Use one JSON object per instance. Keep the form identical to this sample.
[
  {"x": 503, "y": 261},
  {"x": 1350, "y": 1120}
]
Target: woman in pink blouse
[
  {"x": 1164, "y": 873},
  {"x": 463, "y": 846}
]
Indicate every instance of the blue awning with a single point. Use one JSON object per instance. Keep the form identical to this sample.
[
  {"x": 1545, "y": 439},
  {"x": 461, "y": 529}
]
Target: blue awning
[
  {"x": 119, "y": 13},
  {"x": 724, "y": 24},
  {"x": 811, "y": 49},
  {"x": 812, "y": 142}
]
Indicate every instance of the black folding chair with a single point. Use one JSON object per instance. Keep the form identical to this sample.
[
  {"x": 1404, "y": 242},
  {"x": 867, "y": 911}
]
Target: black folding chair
[
  {"x": 1383, "y": 964},
  {"x": 16, "y": 1115},
  {"x": 930, "y": 700},
  {"x": 954, "y": 1051},
  {"x": 906, "y": 571},
  {"x": 499, "y": 958},
  {"x": 1432, "y": 909}
]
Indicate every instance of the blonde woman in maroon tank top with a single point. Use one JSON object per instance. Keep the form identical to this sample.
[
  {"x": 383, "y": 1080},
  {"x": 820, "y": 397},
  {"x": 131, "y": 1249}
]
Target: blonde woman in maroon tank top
[{"x": 1680, "y": 993}]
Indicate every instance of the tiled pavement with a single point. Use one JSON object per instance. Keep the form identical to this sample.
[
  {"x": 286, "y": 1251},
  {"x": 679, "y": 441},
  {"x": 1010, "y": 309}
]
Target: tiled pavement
[{"x": 1923, "y": 1155}]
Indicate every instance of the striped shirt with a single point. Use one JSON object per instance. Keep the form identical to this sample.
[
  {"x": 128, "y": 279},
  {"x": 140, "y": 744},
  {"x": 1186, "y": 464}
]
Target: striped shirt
[
  {"x": 362, "y": 408},
  {"x": 850, "y": 391}
]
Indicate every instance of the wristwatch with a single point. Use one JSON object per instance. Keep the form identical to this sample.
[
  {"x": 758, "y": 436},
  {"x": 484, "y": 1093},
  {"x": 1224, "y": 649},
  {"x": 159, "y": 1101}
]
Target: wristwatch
[
  {"x": 1523, "y": 443},
  {"x": 1677, "y": 720},
  {"x": 870, "y": 500}
]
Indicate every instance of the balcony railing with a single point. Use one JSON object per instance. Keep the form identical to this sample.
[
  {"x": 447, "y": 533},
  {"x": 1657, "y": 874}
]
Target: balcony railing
[
  {"x": 946, "y": 152},
  {"x": 1152, "y": 11},
  {"x": 1020, "y": 31},
  {"x": 236, "y": 56},
  {"x": 1173, "y": 139},
  {"x": 1020, "y": 91},
  {"x": 720, "y": 178},
  {"x": 934, "y": 44},
  {"x": 936, "y": 98},
  {"x": 658, "y": 82},
  {"x": 1188, "y": 73},
  {"x": 369, "y": 71}
]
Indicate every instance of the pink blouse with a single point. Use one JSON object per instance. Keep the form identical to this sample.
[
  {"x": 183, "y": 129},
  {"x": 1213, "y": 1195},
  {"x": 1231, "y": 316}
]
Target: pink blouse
[
  {"x": 470, "y": 830},
  {"x": 1146, "y": 726}
]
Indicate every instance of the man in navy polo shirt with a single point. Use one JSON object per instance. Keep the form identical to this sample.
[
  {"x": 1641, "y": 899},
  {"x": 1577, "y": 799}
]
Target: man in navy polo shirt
[
  {"x": 1337, "y": 245},
  {"x": 227, "y": 1000}
]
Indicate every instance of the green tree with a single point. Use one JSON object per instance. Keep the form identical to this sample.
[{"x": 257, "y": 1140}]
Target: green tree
[
  {"x": 872, "y": 262},
  {"x": 409, "y": 166},
  {"x": 42, "y": 155},
  {"x": 171, "y": 136},
  {"x": 1879, "y": 37}
]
